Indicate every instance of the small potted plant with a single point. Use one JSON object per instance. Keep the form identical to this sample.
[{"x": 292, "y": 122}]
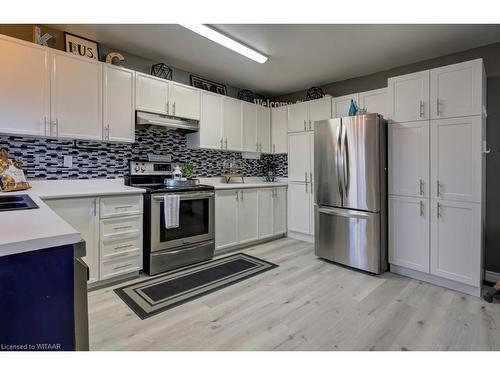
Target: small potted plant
[{"x": 188, "y": 171}]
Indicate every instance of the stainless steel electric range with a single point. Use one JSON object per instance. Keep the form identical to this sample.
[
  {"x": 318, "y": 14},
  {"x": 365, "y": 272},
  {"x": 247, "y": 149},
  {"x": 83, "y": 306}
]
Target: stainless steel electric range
[{"x": 194, "y": 239}]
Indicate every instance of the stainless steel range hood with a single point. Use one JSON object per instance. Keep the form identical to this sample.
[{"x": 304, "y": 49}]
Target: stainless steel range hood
[{"x": 145, "y": 118}]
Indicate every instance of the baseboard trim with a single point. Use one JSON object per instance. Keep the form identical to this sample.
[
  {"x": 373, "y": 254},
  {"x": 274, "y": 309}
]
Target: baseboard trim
[
  {"x": 248, "y": 244},
  {"x": 114, "y": 280},
  {"x": 301, "y": 236},
  {"x": 491, "y": 276},
  {"x": 436, "y": 280}
]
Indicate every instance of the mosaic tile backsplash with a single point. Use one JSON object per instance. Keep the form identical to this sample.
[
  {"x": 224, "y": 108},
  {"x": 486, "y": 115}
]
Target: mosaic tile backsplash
[{"x": 43, "y": 158}]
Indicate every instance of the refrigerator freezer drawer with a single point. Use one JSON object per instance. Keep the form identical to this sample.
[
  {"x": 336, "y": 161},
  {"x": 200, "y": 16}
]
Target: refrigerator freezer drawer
[{"x": 350, "y": 237}]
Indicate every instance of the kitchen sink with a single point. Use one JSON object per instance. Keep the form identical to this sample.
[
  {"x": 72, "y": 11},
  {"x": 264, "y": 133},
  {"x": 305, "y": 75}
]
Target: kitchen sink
[{"x": 16, "y": 202}]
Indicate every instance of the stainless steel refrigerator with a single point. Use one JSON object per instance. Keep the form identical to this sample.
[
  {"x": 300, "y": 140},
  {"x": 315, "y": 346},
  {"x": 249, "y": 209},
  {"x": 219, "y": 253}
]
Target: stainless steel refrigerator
[{"x": 350, "y": 172}]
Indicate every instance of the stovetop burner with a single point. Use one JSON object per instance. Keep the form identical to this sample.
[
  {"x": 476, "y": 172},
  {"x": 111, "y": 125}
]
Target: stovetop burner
[{"x": 157, "y": 178}]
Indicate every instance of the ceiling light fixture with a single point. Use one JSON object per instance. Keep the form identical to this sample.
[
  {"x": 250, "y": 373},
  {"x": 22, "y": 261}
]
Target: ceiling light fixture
[{"x": 223, "y": 40}]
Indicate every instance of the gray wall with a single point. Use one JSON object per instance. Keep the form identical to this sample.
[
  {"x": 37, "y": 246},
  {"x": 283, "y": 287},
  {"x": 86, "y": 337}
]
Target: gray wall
[{"x": 491, "y": 57}]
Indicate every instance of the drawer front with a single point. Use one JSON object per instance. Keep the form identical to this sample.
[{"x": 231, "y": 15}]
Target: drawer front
[
  {"x": 121, "y": 227},
  {"x": 120, "y": 266},
  {"x": 121, "y": 206},
  {"x": 113, "y": 248}
]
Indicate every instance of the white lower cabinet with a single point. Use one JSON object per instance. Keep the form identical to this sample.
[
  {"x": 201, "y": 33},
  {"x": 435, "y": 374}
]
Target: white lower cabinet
[
  {"x": 82, "y": 214},
  {"x": 226, "y": 219},
  {"x": 279, "y": 210},
  {"x": 456, "y": 241},
  {"x": 248, "y": 215},
  {"x": 244, "y": 216},
  {"x": 112, "y": 230},
  {"x": 300, "y": 208},
  {"x": 266, "y": 213},
  {"x": 409, "y": 220}
]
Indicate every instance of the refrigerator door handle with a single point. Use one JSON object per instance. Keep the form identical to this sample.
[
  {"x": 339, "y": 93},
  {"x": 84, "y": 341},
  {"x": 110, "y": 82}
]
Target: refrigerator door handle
[
  {"x": 338, "y": 162},
  {"x": 345, "y": 160},
  {"x": 343, "y": 212}
]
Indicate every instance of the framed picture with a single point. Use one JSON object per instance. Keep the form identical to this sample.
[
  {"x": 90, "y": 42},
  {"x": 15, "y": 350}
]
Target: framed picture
[
  {"x": 205, "y": 84},
  {"x": 80, "y": 46}
]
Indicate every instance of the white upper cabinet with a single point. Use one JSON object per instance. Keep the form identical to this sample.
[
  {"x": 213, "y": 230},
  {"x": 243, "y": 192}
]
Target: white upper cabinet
[
  {"x": 409, "y": 220},
  {"x": 456, "y": 159},
  {"x": 279, "y": 130},
  {"x": 24, "y": 88},
  {"x": 374, "y": 101},
  {"x": 185, "y": 101},
  {"x": 341, "y": 104},
  {"x": 75, "y": 96},
  {"x": 319, "y": 109},
  {"x": 456, "y": 90},
  {"x": 210, "y": 134},
  {"x": 298, "y": 117},
  {"x": 119, "y": 104},
  {"x": 299, "y": 157},
  {"x": 264, "y": 129},
  {"x": 152, "y": 94},
  {"x": 232, "y": 124},
  {"x": 456, "y": 241},
  {"x": 408, "y": 149},
  {"x": 250, "y": 142},
  {"x": 409, "y": 97}
]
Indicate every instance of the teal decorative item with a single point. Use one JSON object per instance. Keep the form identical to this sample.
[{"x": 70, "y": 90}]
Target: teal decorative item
[{"x": 353, "y": 108}]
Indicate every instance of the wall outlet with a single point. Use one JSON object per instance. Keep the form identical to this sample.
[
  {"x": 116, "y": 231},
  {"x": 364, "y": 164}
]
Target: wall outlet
[{"x": 68, "y": 161}]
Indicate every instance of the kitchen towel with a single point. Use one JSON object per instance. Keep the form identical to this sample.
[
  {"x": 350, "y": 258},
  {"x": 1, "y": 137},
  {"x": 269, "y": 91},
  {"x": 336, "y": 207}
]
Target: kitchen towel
[{"x": 171, "y": 210}]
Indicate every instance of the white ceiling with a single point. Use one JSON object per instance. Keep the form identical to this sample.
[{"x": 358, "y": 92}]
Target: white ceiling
[{"x": 300, "y": 55}]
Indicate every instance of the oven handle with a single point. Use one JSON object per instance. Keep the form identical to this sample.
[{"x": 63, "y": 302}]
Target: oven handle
[{"x": 185, "y": 196}]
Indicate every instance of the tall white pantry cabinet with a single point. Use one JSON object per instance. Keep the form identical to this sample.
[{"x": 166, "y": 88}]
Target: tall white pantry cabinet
[{"x": 437, "y": 142}]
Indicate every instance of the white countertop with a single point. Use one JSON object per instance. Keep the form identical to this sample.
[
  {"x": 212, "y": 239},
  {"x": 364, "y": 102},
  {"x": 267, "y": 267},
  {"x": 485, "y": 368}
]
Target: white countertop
[
  {"x": 34, "y": 229},
  {"x": 236, "y": 183},
  {"x": 54, "y": 189}
]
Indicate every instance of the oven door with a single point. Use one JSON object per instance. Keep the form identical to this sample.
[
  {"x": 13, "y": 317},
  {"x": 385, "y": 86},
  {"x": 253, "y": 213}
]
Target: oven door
[{"x": 196, "y": 220}]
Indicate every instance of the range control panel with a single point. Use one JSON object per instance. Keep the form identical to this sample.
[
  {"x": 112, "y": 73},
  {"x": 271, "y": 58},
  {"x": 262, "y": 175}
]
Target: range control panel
[{"x": 152, "y": 168}]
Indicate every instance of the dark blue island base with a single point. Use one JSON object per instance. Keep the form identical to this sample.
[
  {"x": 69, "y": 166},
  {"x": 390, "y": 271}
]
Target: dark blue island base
[{"x": 37, "y": 300}]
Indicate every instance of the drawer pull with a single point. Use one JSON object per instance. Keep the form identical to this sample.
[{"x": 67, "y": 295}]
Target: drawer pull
[
  {"x": 124, "y": 227},
  {"x": 123, "y": 246},
  {"x": 122, "y": 266},
  {"x": 123, "y": 207}
]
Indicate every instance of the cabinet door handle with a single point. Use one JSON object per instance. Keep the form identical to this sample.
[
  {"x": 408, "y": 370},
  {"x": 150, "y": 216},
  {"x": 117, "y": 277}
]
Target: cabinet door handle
[
  {"x": 226, "y": 143},
  {"x": 438, "y": 188},
  {"x": 241, "y": 193},
  {"x": 438, "y": 210},
  {"x": 310, "y": 125},
  {"x": 174, "y": 108},
  {"x": 123, "y": 207},
  {"x": 437, "y": 107},
  {"x": 421, "y": 208},
  {"x": 421, "y": 108},
  {"x": 168, "y": 107},
  {"x": 311, "y": 179},
  {"x": 55, "y": 124},
  {"x": 236, "y": 194},
  {"x": 46, "y": 130},
  {"x": 305, "y": 177},
  {"x": 106, "y": 131},
  {"x": 305, "y": 125},
  {"x": 221, "y": 143},
  {"x": 95, "y": 207},
  {"x": 421, "y": 182}
]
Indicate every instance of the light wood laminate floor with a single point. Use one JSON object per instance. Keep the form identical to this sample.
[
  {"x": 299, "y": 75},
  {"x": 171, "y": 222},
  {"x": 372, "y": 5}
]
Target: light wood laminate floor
[{"x": 305, "y": 304}]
